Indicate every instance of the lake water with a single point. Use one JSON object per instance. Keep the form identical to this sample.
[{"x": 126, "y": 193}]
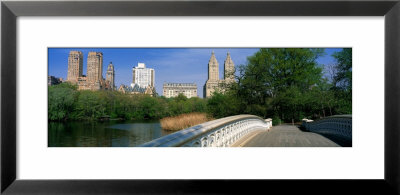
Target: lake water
[{"x": 103, "y": 134}]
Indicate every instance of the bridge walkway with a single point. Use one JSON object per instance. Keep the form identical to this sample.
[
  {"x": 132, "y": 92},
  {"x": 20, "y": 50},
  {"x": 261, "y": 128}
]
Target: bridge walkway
[{"x": 284, "y": 136}]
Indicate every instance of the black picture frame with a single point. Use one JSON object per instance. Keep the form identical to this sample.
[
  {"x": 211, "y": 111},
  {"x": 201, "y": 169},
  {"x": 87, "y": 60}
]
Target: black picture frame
[{"x": 10, "y": 10}]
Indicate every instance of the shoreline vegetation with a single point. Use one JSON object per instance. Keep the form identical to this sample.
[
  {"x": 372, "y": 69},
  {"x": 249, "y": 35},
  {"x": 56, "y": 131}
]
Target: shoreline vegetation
[
  {"x": 183, "y": 121},
  {"x": 285, "y": 84}
]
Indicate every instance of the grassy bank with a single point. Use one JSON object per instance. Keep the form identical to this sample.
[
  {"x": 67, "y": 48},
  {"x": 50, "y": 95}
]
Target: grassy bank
[{"x": 183, "y": 121}]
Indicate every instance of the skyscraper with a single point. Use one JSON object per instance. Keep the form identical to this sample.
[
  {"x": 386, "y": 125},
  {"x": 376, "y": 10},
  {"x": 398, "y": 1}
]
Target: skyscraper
[
  {"x": 229, "y": 69},
  {"x": 214, "y": 83},
  {"x": 213, "y": 68},
  {"x": 142, "y": 76},
  {"x": 75, "y": 66},
  {"x": 94, "y": 67},
  {"x": 93, "y": 80},
  {"x": 110, "y": 80},
  {"x": 213, "y": 76}
]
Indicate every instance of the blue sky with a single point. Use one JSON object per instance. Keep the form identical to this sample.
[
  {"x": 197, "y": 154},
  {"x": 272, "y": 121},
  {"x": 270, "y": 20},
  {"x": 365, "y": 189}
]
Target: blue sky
[{"x": 183, "y": 65}]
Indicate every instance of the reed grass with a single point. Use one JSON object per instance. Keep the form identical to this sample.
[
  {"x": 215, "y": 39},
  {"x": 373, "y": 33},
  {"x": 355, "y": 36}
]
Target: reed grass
[{"x": 183, "y": 121}]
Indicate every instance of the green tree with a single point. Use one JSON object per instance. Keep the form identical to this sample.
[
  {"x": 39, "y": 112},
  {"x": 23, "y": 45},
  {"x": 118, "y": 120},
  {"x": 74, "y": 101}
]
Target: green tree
[
  {"x": 275, "y": 80},
  {"x": 150, "y": 108},
  {"x": 343, "y": 77},
  {"x": 197, "y": 104},
  {"x": 342, "y": 83},
  {"x": 178, "y": 105},
  {"x": 222, "y": 105},
  {"x": 89, "y": 105},
  {"x": 61, "y": 101}
]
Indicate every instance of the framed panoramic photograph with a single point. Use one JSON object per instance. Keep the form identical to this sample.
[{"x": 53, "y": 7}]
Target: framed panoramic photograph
[
  {"x": 199, "y": 97},
  {"x": 237, "y": 109}
]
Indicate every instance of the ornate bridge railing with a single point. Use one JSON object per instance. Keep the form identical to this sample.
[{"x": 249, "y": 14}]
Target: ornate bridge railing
[
  {"x": 338, "y": 125},
  {"x": 217, "y": 133}
]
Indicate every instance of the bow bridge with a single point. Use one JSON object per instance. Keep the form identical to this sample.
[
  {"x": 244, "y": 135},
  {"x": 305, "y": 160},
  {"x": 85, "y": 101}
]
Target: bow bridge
[{"x": 253, "y": 131}]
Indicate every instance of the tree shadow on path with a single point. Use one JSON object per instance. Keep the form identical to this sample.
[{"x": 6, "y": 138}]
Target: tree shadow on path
[{"x": 344, "y": 142}]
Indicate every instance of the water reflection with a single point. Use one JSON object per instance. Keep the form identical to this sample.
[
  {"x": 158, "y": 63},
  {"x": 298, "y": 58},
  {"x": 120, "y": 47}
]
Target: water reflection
[{"x": 103, "y": 134}]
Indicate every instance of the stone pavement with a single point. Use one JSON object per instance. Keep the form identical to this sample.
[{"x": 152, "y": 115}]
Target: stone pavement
[{"x": 285, "y": 136}]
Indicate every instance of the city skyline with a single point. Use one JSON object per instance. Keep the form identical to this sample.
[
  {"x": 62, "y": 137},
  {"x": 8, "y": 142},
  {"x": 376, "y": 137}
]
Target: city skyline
[{"x": 177, "y": 65}]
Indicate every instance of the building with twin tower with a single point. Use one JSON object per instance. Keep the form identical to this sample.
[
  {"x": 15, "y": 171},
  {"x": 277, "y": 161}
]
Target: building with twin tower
[
  {"x": 214, "y": 83},
  {"x": 93, "y": 80}
]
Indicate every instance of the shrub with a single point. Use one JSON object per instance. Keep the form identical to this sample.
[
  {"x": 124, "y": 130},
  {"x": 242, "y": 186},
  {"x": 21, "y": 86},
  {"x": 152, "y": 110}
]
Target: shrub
[{"x": 276, "y": 121}]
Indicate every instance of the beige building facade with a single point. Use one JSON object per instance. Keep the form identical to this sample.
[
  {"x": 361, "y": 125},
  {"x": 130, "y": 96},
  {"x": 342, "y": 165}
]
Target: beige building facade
[
  {"x": 229, "y": 69},
  {"x": 94, "y": 67},
  {"x": 110, "y": 76},
  {"x": 75, "y": 66},
  {"x": 214, "y": 83},
  {"x": 93, "y": 80},
  {"x": 174, "y": 89}
]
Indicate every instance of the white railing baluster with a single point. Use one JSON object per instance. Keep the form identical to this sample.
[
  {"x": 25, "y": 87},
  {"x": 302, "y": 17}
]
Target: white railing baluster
[
  {"x": 218, "y": 133},
  {"x": 340, "y": 125}
]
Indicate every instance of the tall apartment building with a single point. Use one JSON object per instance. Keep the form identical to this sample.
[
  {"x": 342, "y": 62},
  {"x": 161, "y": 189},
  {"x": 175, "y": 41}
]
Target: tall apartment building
[
  {"x": 93, "y": 80},
  {"x": 75, "y": 66},
  {"x": 214, "y": 83},
  {"x": 174, "y": 89},
  {"x": 229, "y": 69},
  {"x": 110, "y": 79},
  {"x": 142, "y": 76},
  {"x": 94, "y": 67},
  {"x": 213, "y": 68},
  {"x": 213, "y": 76}
]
